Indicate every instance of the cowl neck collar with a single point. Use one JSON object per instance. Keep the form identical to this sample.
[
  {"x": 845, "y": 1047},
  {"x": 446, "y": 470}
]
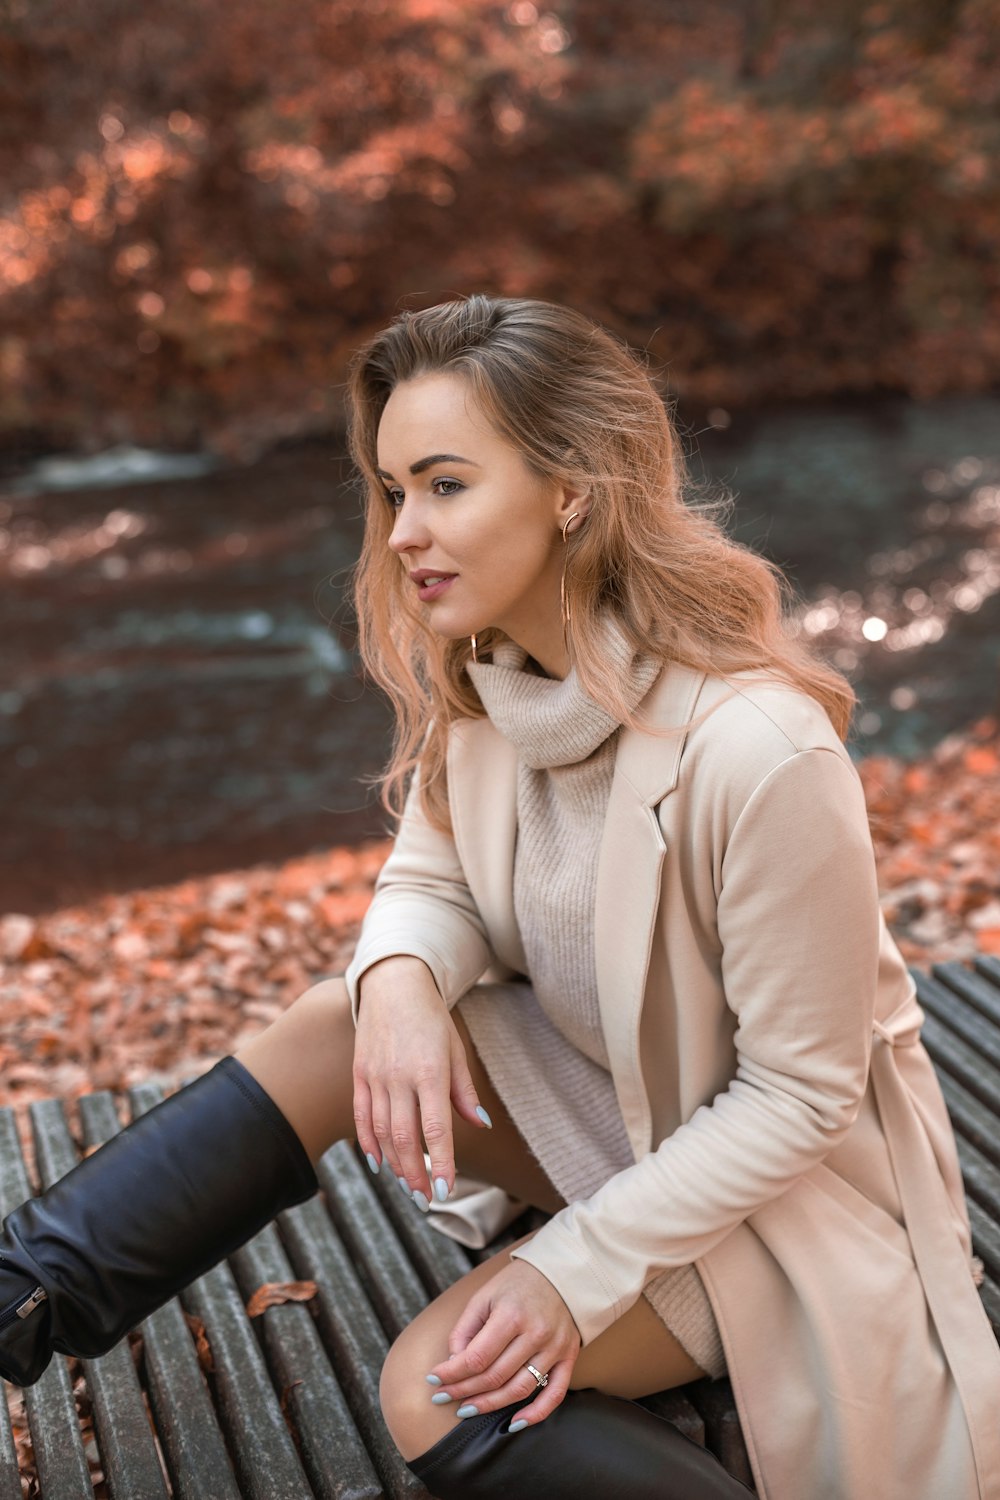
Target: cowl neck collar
[{"x": 552, "y": 721}]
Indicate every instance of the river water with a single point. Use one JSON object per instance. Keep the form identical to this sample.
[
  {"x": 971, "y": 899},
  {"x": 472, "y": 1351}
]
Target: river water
[{"x": 179, "y": 692}]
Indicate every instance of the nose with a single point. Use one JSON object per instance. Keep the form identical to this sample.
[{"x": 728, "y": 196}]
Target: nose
[{"x": 409, "y": 530}]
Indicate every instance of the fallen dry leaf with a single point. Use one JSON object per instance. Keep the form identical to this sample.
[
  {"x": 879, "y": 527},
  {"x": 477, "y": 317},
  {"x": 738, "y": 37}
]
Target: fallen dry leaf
[
  {"x": 273, "y": 1293},
  {"x": 202, "y": 1347}
]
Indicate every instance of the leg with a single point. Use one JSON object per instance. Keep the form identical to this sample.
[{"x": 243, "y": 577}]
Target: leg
[
  {"x": 303, "y": 1060},
  {"x": 499, "y": 1155},
  {"x": 171, "y": 1194},
  {"x": 160, "y": 1203},
  {"x": 597, "y": 1442},
  {"x": 138, "y": 1220},
  {"x": 634, "y": 1357}
]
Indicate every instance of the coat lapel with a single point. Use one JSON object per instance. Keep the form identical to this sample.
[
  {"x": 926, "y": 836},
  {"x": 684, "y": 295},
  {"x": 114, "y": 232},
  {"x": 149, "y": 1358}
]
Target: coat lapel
[
  {"x": 629, "y": 872},
  {"x": 482, "y": 780}
]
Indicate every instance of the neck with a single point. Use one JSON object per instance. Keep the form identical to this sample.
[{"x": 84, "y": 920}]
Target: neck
[{"x": 543, "y": 639}]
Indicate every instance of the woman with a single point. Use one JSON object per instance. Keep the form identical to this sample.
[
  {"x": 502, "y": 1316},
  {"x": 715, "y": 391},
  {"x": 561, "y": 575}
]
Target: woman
[{"x": 626, "y": 961}]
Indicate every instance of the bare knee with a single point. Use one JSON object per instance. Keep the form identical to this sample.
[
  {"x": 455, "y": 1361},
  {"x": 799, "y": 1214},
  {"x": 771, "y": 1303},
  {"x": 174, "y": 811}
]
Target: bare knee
[
  {"x": 415, "y": 1423},
  {"x": 319, "y": 1017},
  {"x": 328, "y": 1000},
  {"x": 322, "y": 1019},
  {"x": 304, "y": 1060}
]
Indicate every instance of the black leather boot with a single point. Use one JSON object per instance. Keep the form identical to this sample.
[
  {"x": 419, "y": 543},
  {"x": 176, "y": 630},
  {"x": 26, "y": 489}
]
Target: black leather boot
[
  {"x": 150, "y": 1211},
  {"x": 592, "y": 1447}
]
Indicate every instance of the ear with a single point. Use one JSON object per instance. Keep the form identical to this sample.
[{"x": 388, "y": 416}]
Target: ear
[{"x": 573, "y": 500}]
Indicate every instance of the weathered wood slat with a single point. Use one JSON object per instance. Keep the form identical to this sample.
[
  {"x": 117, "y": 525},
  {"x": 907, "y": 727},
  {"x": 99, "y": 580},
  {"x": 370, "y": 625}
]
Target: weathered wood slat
[
  {"x": 192, "y": 1442},
  {"x": 988, "y": 965},
  {"x": 13, "y": 1190},
  {"x": 961, "y": 1018},
  {"x": 329, "y": 1444},
  {"x": 972, "y": 986},
  {"x": 714, "y": 1401},
  {"x": 676, "y": 1408},
  {"x": 985, "y": 1239},
  {"x": 351, "y": 1332},
  {"x": 56, "y": 1438},
  {"x": 10, "y": 1480},
  {"x": 951, "y": 1055},
  {"x": 438, "y": 1261},
  {"x": 990, "y": 1295},
  {"x": 131, "y": 1462},
  {"x": 49, "y": 1405},
  {"x": 982, "y": 1182},
  {"x": 972, "y": 1122},
  {"x": 260, "y": 1445},
  {"x": 393, "y": 1286},
  {"x": 264, "y": 1457}
]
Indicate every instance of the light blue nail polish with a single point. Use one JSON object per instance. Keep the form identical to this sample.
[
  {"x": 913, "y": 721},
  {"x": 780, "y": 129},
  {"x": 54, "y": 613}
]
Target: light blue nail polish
[
  {"x": 440, "y": 1398},
  {"x": 516, "y": 1426},
  {"x": 405, "y": 1186},
  {"x": 468, "y": 1410},
  {"x": 441, "y": 1189},
  {"x": 433, "y": 1379},
  {"x": 374, "y": 1166},
  {"x": 480, "y": 1111},
  {"x": 421, "y": 1201}
]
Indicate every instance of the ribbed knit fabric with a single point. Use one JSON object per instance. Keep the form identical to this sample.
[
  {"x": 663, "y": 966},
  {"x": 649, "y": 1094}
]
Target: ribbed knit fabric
[{"x": 542, "y": 1042}]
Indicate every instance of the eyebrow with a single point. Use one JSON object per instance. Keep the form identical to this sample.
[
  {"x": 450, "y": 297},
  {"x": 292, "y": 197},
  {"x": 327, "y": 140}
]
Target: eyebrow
[{"x": 435, "y": 458}]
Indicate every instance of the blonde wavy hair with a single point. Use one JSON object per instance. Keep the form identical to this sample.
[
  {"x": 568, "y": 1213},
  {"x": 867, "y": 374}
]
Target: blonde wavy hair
[{"x": 579, "y": 406}]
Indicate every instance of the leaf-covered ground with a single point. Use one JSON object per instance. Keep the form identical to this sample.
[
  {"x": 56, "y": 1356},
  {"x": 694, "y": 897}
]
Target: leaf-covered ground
[
  {"x": 160, "y": 983},
  {"x": 936, "y": 829}
]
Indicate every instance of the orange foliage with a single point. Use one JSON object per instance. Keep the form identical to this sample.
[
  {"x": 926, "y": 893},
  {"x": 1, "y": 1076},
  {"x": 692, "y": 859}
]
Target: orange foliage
[
  {"x": 159, "y": 982},
  {"x": 936, "y": 828},
  {"x": 775, "y": 200}
]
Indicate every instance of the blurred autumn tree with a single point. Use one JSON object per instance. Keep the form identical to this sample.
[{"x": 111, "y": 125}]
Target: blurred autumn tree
[{"x": 204, "y": 207}]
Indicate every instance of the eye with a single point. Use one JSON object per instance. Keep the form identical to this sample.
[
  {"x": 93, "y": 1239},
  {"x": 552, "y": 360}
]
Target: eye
[{"x": 395, "y": 495}]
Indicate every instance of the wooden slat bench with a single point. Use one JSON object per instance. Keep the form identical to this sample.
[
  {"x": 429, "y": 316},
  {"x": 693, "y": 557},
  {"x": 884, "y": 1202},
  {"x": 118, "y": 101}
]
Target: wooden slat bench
[{"x": 284, "y": 1405}]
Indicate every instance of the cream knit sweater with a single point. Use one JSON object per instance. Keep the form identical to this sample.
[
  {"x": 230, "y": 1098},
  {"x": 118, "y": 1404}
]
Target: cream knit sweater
[{"x": 541, "y": 1041}]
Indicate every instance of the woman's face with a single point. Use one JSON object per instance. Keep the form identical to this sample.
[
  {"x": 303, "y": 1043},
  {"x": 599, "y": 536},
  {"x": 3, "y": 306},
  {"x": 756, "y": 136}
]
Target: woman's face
[{"x": 476, "y": 531}]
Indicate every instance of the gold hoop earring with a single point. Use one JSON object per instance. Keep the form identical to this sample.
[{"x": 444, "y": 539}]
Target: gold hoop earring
[
  {"x": 475, "y": 658},
  {"x": 563, "y": 601}
]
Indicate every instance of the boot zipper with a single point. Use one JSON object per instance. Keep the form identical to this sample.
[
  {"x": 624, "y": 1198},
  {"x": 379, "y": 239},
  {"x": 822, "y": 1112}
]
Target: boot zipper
[{"x": 23, "y": 1309}]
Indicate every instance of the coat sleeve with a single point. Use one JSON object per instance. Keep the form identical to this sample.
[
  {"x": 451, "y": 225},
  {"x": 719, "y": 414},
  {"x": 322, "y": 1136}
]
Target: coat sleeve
[
  {"x": 798, "y": 927},
  {"x": 422, "y": 907}
]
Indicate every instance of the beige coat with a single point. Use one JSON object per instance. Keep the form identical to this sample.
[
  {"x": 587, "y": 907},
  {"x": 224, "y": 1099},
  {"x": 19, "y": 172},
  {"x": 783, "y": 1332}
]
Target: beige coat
[{"x": 763, "y": 1036}]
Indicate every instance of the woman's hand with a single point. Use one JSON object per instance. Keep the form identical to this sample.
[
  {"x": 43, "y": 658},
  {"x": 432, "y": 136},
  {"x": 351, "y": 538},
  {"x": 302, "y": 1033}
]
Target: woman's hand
[
  {"x": 518, "y": 1318},
  {"x": 409, "y": 1069}
]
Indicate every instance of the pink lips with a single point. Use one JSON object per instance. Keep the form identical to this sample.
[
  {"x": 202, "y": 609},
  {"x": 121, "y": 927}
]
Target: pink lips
[{"x": 434, "y": 590}]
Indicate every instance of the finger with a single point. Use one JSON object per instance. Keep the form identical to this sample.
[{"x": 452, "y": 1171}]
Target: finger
[
  {"x": 508, "y": 1373},
  {"x": 382, "y": 1125},
  {"x": 367, "y": 1139},
  {"x": 548, "y": 1399},
  {"x": 435, "y": 1120},
  {"x": 482, "y": 1335},
  {"x": 463, "y": 1091},
  {"x": 407, "y": 1148}
]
